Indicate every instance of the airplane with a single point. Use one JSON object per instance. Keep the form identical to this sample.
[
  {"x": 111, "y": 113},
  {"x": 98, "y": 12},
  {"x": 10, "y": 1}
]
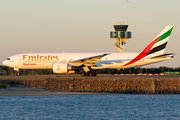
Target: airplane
[{"x": 87, "y": 62}]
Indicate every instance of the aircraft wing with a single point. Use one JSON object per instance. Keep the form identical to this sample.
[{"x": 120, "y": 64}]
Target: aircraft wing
[
  {"x": 162, "y": 56},
  {"x": 89, "y": 61}
]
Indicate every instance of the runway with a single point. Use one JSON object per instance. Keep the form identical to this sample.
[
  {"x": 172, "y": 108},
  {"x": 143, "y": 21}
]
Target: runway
[{"x": 78, "y": 76}]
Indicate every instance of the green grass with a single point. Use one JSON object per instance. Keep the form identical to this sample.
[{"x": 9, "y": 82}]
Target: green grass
[
  {"x": 12, "y": 83},
  {"x": 2, "y": 86}
]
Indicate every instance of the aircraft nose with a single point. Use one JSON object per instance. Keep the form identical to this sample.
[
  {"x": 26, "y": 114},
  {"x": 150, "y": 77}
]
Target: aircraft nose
[{"x": 5, "y": 63}]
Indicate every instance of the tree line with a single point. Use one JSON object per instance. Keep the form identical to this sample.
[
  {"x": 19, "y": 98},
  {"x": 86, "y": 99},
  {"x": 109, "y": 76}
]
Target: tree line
[{"x": 10, "y": 71}]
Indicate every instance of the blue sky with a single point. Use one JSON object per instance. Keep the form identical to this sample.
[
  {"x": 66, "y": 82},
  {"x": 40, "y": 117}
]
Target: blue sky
[{"x": 85, "y": 25}]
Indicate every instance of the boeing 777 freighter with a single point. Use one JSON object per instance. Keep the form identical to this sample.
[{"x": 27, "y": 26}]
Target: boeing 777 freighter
[{"x": 87, "y": 62}]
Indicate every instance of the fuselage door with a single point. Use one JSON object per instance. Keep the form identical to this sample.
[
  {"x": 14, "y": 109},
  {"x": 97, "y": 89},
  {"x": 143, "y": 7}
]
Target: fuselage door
[{"x": 19, "y": 59}]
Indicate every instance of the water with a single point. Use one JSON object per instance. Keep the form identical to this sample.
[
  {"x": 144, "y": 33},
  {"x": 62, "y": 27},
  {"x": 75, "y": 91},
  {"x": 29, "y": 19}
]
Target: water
[{"x": 88, "y": 107}]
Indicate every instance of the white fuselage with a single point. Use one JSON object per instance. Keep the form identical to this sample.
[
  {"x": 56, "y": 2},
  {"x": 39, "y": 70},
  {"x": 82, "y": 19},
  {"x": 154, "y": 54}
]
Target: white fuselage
[{"x": 114, "y": 60}]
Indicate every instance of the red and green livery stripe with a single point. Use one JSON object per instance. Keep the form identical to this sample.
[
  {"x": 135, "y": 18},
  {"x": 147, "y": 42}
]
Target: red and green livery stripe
[{"x": 148, "y": 50}]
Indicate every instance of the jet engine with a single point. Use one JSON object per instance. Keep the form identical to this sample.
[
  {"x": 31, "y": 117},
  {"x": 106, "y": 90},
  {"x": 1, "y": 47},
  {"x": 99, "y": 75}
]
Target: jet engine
[{"x": 61, "y": 67}]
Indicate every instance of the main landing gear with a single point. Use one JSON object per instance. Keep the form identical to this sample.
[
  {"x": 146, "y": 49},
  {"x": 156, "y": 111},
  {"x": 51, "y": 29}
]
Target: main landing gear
[{"x": 88, "y": 74}]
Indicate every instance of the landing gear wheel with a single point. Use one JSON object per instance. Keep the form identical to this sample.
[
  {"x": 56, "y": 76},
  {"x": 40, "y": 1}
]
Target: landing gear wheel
[
  {"x": 86, "y": 74},
  {"x": 82, "y": 74},
  {"x": 94, "y": 74},
  {"x": 17, "y": 73},
  {"x": 90, "y": 74}
]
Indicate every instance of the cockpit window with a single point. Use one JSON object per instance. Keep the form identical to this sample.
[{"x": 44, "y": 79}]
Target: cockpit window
[{"x": 7, "y": 58}]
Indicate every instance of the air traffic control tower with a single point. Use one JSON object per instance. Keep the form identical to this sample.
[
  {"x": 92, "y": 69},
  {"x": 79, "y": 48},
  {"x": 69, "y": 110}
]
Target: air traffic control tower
[{"x": 121, "y": 35}]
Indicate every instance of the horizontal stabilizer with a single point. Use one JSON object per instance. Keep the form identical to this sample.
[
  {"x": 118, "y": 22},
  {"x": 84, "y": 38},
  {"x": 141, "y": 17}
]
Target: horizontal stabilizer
[{"x": 162, "y": 56}]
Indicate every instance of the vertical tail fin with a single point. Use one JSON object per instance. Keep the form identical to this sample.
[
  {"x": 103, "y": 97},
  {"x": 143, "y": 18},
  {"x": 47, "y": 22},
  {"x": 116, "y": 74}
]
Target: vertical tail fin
[
  {"x": 159, "y": 43},
  {"x": 156, "y": 46}
]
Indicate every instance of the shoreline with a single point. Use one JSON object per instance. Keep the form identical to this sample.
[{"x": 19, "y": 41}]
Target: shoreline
[
  {"x": 32, "y": 91},
  {"x": 92, "y": 85}
]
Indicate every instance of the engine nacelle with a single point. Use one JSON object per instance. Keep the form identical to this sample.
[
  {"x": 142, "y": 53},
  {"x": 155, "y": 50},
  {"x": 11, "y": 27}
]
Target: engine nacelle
[{"x": 60, "y": 67}]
